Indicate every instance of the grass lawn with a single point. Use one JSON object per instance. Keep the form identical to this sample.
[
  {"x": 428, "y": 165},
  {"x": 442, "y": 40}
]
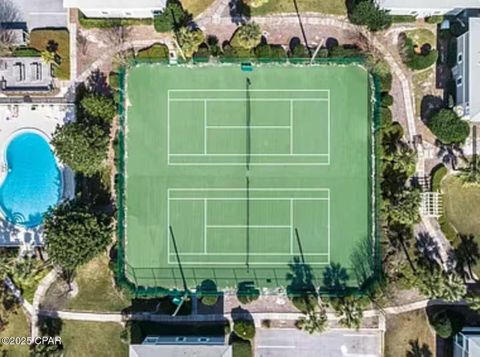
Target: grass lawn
[
  {"x": 195, "y": 7},
  {"x": 40, "y": 39},
  {"x": 422, "y": 36},
  {"x": 406, "y": 330},
  {"x": 334, "y": 7},
  {"x": 17, "y": 326},
  {"x": 96, "y": 290},
  {"x": 87, "y": 339},
  {"x": 423, "y": 85},
  {"x": 462, "y": 204}
]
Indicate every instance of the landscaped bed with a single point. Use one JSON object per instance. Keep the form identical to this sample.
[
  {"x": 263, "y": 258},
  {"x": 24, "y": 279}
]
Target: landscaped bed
[
  {"x": 196, "y": 7},
  {"x": 334, "y": 7},
  {"x": 407, "y": 330},
  {"x": 462, "y": 204},
  {"x": 58, "y": 39}
]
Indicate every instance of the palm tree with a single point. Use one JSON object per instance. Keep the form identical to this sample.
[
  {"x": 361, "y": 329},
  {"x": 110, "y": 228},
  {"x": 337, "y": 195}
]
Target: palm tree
[
  {"x": 190, "y": 40},
  {"x": 313, "y": 322},
  {"x": 350, "y": 311},
  {"x": 48, "y": 57},
  {"x": 247, "y": 36},
  {"x": 454, "y": 288}
]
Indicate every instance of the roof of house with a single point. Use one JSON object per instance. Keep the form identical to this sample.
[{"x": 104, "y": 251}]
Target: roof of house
[
  {"x": 429, "y": 4},
  {"x": 179, "y": 351},
  {"x": 474, "y": 68},
  {"x": 115, "y": 4},
  {"x": 24, "y": 74},
  {"x": 39, "y": 14}
]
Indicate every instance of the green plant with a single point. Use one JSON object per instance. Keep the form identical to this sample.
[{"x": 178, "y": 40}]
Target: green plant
[
  {"x": 313, "y": 321},
  {"x": 434, "y": 19},
  {"x": 247, "y": 36},
  {"x": 270, "y": 51},
  {"x": 387, "y": 100},
  {"x": 241, "y": 348},
  {"x": 300, "y": 51},
  {"x": 437, "y": 175},
  {"x": 403, "y": 18},
  {"x": 245, "y": 329},
  {"x": 448, "y": 127},
  {"x": 103, "y": 23},
  {"x": 447, "y": 323},
  {"x": 26, "y": 52},
  {"x": 350, "y": 311},
  {"x": 154, "y": 52},
  {"x": 114, "y": 80},
  {"x": 190, "y": 40},
  {"x": 370, "y": 14},
  {"x": 344, "y": 52},
  {"x": 74, "y": 235},
  {"x": 98, "y": 106}
]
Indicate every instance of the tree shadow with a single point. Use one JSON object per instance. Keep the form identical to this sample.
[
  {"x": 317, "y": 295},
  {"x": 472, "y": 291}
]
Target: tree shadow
[
  {"x": 450, "y": 154},
  {"x": 350, "y": 5},
  {"x": 240, "y": 12},
  {"x": 49, "y": 326},
  {"x": 467, "y": 253},
  {"x": 429, "y": 106},
  {"x": 97, "y": 83},
  {"x": 427, "y": 247},
  {"x": 330, "y": 43},
  {"x": 418, "y": 351},
  {"x": 302, "y": 28},
  {"x": 335, "y": 278},
  {"x": 301, "y": 290},
  {"x": 294, "y": 42},
  {"x": 363, "y": 262}
]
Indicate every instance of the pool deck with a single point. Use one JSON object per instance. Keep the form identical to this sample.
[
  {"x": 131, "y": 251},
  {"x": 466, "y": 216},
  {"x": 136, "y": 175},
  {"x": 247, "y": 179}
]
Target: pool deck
[{"x": 43, "y": 119}]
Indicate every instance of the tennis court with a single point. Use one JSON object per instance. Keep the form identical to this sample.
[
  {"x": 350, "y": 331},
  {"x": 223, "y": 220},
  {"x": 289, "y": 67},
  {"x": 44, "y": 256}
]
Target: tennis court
[{"x": 233, "y": 176}]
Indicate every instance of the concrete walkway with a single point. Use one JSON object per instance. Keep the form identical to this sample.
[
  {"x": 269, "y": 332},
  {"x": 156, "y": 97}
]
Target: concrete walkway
[{"x": 42, "y": 288}]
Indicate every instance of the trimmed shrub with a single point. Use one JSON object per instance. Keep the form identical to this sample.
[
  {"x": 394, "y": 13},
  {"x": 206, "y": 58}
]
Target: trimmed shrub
[
  {"x": 300, "y": 51},
  {"x": 247, "y": 36},
  {"x": 113, "y": 80},
  {"x": 25, "y": 52},
  {"x": 413, "y": 60},
  {"x": 402, "y": 18},
  {"x": 447, "y": 323},
  {"x": 203, "y": 52},
  {"x": 242, "y": 349},
  {"x": 386, "y": 116},
  {"x": 90, "y": 23},
  {"x": 270, "y": 51},
  {"x": 437, "y": 175},
  {"x": 448, "y": 127},
  {"x": 387, "y": 100},
  {"x": 245, "y": 329},
  {"x": 344, "y": 52},
  {"x": 156, "y": 51},
  {"x": 370, "y": 14},
  {"x": 236, "y": 52},
  {"x": 434, "y": 19}
]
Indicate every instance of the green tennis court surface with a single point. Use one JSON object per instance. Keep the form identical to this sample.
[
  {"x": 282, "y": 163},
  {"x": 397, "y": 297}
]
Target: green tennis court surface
[{"x": 233, "y": 176}]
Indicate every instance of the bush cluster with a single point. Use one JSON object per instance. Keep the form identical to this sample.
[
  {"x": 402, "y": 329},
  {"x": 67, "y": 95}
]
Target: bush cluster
[
  {"x": 416, "y": 61},
  {"x": 156, "y": 51},
  {"x": 89, "y": 22}
]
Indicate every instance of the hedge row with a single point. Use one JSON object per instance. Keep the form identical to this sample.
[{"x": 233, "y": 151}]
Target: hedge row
[
  {"x": 90, "y": 22},
  {"x": 26, "y": 52}
]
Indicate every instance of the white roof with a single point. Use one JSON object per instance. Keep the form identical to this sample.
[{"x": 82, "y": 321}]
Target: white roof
[
  {"x": 474, "y": 67},
  {"x": 115, "y": 4},
  {"x": 429, "y": 4}
]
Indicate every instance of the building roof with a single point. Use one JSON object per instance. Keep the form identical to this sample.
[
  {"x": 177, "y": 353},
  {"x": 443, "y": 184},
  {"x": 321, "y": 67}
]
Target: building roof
[
  {"x": 180, "y": 351},
  {"x": 429, "y": 4},
  {"x": 24, "y": 74},
  {"x": 115, "y": 4},
  {"x": 474, "y": 68},
  {"x": 45, "y": 13}
]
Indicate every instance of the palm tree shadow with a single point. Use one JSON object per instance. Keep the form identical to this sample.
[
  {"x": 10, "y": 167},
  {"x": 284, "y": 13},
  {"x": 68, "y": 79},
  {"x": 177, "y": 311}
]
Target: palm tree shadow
[
  {"x": 240, "y": 12},
  {"x": 467, "y": 254},
  {"x": 418, "y": 351},
  {"x": 335, "y": 277}
]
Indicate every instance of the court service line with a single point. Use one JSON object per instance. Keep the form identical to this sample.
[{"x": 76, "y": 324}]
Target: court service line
[{"x": 253, "y": 154}]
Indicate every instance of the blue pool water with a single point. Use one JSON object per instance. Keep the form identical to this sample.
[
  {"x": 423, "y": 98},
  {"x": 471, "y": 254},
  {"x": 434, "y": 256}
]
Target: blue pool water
[{"x": 33, "y": 182}]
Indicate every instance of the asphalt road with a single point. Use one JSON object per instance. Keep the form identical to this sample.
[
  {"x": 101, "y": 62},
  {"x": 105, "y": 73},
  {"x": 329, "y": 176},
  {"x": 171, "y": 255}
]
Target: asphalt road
[{"x": 334, "y": 343}]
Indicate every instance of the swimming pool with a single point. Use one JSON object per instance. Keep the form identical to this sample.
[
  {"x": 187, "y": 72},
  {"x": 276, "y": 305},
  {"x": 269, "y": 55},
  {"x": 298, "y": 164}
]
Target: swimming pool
[{"x": 33, "y": 182}]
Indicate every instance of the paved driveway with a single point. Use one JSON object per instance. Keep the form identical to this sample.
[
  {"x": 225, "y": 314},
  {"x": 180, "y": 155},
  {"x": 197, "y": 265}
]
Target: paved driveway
[
  {"x": 334, "y": 343},
  {"x": 42, "y": 13}
]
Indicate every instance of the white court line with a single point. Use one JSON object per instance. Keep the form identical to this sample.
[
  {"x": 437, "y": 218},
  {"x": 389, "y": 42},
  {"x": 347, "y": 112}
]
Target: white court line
[
  {"x": 248, "y": 127},
  {"x": 205, "y": 223},
  {"x": 291, "y": 226},
  {"x": 205, "y": 125},
  {"x": 242, "y": 263},
  {"x": 250, "y": 199},
  {"x": 168, "y": 128},
  {"x": 243, "y": 253},
  {"x": 251, "y": 99},
  {"x": 268, "y": 189},
  {"x": 289, "y": 99},
  {"x": 251, "y": 90},
  {"x": 291, "y": 127},
  {"x": 245, "y": 226},
  {"x": 253, "y": 154}
]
